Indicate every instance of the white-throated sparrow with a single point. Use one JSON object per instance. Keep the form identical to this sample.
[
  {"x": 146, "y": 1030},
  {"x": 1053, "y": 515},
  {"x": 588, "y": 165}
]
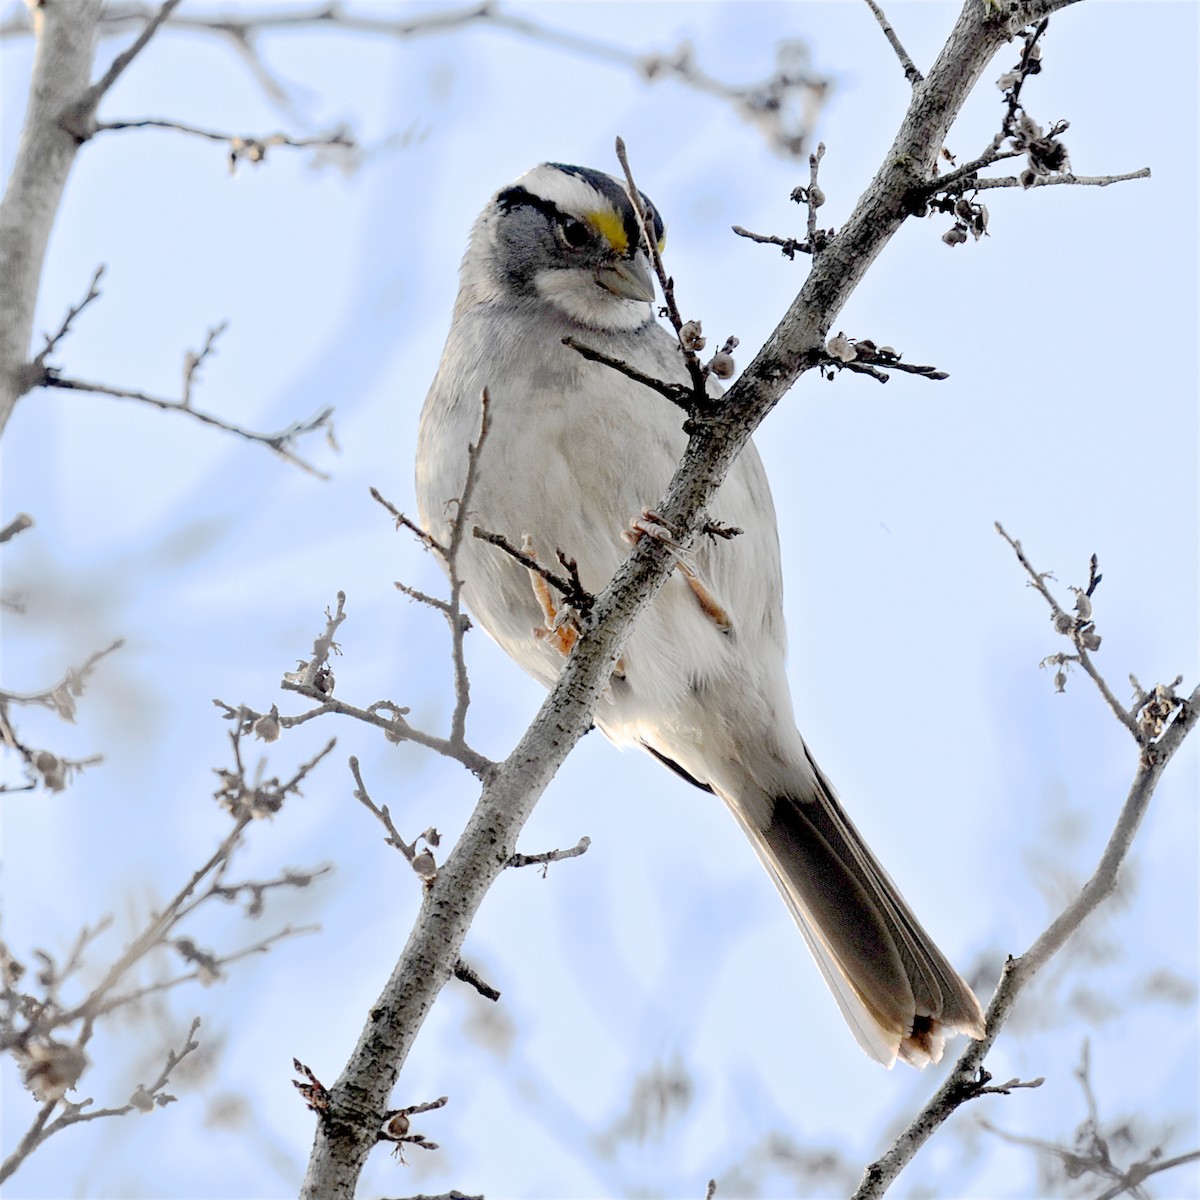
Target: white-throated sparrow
[{"x": 575, "y": 451}]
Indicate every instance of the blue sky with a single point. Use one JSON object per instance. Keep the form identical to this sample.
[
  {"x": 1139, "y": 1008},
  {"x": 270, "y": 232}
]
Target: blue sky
[{"x": 1069, "y": 414}]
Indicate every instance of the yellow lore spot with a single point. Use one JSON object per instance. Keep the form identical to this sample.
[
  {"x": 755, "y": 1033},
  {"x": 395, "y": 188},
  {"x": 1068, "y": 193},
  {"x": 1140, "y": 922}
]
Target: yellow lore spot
[{"x": 610, "y": 226}]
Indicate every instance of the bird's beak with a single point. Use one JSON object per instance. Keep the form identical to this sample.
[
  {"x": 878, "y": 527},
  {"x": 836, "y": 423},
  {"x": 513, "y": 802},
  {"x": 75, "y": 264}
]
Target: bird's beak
[{"x": 628, "y": 278}]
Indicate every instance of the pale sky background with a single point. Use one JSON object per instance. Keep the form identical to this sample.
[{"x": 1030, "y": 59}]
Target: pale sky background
[{"x": 1070, "y": 414}]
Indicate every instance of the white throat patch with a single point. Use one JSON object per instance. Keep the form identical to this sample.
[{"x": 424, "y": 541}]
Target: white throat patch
[{"x": 576, "y": 293}]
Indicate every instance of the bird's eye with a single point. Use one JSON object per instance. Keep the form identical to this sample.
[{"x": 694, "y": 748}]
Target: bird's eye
[{"x": 575, "y": 233}]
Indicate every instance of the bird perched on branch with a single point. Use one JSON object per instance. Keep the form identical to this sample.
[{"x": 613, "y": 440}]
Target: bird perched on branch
[{"x": 577, "y": 449}]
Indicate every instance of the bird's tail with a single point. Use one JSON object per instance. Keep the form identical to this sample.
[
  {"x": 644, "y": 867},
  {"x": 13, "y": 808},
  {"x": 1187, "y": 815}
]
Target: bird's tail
[{"x": 896, "y": 989}]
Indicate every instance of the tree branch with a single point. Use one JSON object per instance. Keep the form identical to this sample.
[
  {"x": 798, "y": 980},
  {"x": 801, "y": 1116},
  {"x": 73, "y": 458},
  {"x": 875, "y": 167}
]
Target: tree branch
[
  {"x": 910, "y": 69},
  {"x": 966, "y": 1081},
  {"x": 280, "y": 442},
  {"x": 61, "y": 69}
]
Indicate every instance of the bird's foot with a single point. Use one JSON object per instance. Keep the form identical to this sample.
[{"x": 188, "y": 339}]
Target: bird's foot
[{"x": 559, "y": 627}]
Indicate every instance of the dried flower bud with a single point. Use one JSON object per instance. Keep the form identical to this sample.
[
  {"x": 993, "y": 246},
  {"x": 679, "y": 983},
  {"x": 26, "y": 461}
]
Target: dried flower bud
[
  {"x": 1028, "y": 179},
  {"x": 1063, "y": 622},
  {"x": 64, "y": 703},
  {"x": 722, "y": 365},
  {"x": 690, "y": 337},
  {"x": 142, "y": 1100},
  {"x": 1060, "y": 680},
  {"x": 1089, "y": 639},
  {"x": 1029, "y": 129},
  {"x": 1008, "y": 80},
  {"x": 267, "y": 727},
  {"x": 816, "y": 197},
  {"x": 955, "y": 236},
  {"x": 839, "y": 347},
  {"x": 50, "y": 1069},
  {"x": 48, "y": 766},
  {"x": 425, "y": 866},
  {"x": 1083, "y": 604},
  {"x": 395, "y": 1127}
]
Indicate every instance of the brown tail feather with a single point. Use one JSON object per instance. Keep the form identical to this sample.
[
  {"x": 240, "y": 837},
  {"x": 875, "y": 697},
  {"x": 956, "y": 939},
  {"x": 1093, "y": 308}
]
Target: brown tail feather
[{"x": 861, "y": 930}]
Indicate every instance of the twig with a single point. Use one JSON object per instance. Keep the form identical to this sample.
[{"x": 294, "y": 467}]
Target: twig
[
  {"x": 18, "y": 524},
  {"x": 910, "y": 70},
  {"x": 241, "y": 146},
  {"x": 117, "y": 67},
  {"x": 395, "y": 726},
  {"x": 458, "y": 627},
  {"x": 1039, "y": 181},
  {"x": 402, "y": 522},
  {"x": 813, "y": 197},
  {"x": 549, "y": 856},
  {"x": 38, "y": 366},
  {"x": 381, "y": 814},
  {"x": 279, "y": 442},
  {"x": 699, "y": 394},
  {"x": 1077, "y": 630},
  {"x": 965, "y": 1079},
  {"x": 61, "y": 696},
  {"x": 677, "y": 393},
  {"x": 470, "y": 976},
  {"x": 1139, "y": 1172},
  {"x": 144, "y": 1099},
  {"x": 783, "y": 105},
  {"x": 1091, "y": 1152},
  {"x": 789, "y": 247},
  {"x": 570, "y": 589}
]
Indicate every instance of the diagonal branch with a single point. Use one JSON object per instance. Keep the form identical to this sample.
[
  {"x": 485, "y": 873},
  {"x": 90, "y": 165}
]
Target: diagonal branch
[
  {"x": 281, "y": 442},
  {"x": 966, "y": 1079},
  {"x": 910, "y": 69}
]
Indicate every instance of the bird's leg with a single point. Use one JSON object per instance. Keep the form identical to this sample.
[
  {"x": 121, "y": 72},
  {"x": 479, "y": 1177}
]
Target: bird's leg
[
  {"x": 557, "y": 626},
  {"x": 650, "y": 524}
]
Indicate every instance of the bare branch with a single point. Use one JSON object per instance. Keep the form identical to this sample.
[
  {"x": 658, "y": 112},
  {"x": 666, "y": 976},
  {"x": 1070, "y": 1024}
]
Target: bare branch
[
  {"x": 789, "y": 247},
  {"x": 38, "y": 366},
  {"x": 402, "y": 522},
  {"x": 470, "y": 976},
  {"x": 280, "y": 442},
  {"x": 1080, "y": 630},
  {"x": 967, "y": 1077},
  {"x": 1040, "y": 181},
  {"x": 699, "y": 395},
  {"x": 910, "y": 70},
  {"x": 395, "y": 726},
  {"x": 117, "y": 67},
  {"x": 18, "y": 524},
  {"x": 549, "y": 856},
  {"x": 144, "y": 1099},
  {"x": 458, "y": 624},
  {"x": 1091, "y": 1152},
  {"x": 783, "y": 105},
  {"x": 570, "y": 590},
  {"x": 381, "y": 814},
  {"x": 677, "y": 393},
  {"x": 813, "y": 198},
  {"x": 248, "y": 147}
]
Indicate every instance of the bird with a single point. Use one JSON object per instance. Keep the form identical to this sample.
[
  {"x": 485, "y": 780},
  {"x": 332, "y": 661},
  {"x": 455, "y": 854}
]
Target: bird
[{"x": 576, "y": 455}]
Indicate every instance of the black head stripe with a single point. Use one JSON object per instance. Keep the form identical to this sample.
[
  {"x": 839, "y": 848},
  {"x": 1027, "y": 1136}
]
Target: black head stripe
[{"x": 606, "y": 185}]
